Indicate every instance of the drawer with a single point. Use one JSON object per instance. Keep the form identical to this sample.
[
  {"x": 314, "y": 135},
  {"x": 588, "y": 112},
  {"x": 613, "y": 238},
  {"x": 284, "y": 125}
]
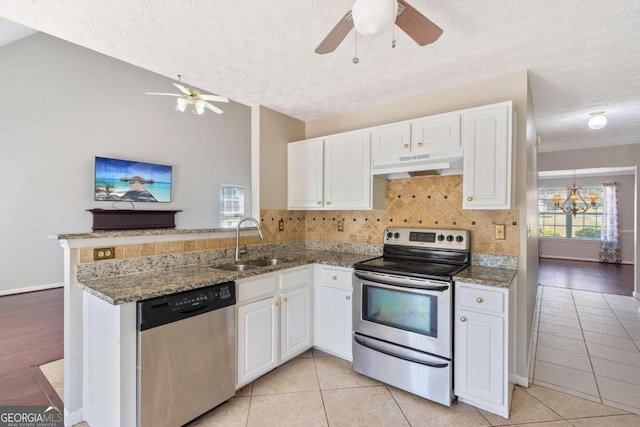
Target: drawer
[
  {"x": 336, "y": 275},
  {"x": 249, "y": 289},
  {"x": 477, "y": 299},
  {"x": 296, "y": 277}
]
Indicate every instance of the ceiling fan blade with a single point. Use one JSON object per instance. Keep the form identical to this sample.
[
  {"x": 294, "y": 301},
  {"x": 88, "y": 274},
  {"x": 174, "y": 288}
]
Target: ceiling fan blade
[
  {"x": 160, "y": 93},
  {"x": 417, "y": 26},
  {"x": 335, "y": 37},
  {"x": 182, "y": 89},
  {"x": 214, "y": 98},
  {"x": 213, "y": 108}
]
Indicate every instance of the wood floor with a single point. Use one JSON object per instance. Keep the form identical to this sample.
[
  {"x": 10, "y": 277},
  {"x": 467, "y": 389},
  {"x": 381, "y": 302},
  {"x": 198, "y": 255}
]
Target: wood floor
[
  {"x": 31, "y": 334},
  {"x": 587, "y": 276}
]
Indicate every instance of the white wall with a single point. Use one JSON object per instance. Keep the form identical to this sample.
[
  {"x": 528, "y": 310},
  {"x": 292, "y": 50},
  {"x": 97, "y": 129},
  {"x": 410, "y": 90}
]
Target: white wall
[
  {"x": 62, "y": 106},
  {"x": 587, "y": 250}
]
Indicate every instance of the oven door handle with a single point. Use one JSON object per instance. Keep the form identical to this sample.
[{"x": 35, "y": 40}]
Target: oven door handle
[
  {"x": 389, "y": 352},
  {"x": 400, "y": 284}
]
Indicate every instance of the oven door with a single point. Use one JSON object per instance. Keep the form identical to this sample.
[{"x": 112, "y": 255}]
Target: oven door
[{"x": 413, "y": 313}]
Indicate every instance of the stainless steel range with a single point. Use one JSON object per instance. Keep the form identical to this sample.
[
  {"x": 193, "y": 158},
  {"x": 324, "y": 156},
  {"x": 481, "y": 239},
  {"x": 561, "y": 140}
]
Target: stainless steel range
[{"x": 403, "y": 305}]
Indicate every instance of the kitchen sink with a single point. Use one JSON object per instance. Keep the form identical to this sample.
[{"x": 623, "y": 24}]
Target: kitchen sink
[
  {"x": 235, "y": 267},
  {"x": 269, "y": 261}
]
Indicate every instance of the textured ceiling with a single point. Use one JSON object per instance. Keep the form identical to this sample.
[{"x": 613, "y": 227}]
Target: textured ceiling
[{"x": 583, "y": 55}]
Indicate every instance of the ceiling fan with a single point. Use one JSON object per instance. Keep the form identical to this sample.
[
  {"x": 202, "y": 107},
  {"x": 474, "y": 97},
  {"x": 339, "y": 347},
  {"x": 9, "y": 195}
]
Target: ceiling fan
[
  {"x": 377, "y": 16},
  {"x": 189, "y": 96}
]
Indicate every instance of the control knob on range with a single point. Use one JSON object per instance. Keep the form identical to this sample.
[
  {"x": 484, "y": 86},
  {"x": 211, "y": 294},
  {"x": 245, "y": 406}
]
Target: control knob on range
[
  {"x": 440, "y": 237},
  {"x": 396, "y": 235},
  {"x": 449, "y": 238},
  {"x": 389, "y": 235},
  {"x": 459, "y": 239}
]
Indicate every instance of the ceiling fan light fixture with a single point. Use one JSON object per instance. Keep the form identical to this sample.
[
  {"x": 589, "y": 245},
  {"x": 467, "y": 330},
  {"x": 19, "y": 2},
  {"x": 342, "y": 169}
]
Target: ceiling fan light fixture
[
  {"x": 181, "y": 104},
  {"x": 199, "y": 107},
  {"x": 374, "y": 16},
  {"x": 597, "y": 120}
]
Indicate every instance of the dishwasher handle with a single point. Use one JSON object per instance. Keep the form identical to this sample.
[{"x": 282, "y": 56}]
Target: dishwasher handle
[{"x": 172, "y": 308}]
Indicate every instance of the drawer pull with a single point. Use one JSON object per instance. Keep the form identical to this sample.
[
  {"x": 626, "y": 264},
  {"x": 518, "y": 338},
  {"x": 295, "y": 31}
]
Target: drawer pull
[
  {"x": 479, "y": 300},
  {"x": 419, "y": 144},
  {"x": 469, "y": 198},
  {"x": 334, "y": 277},
  {"x": 347, "y": 297},
  {"x": 463, "y": 319},
  {"x": 405, "y": 146},
  {"x": 328, "y": 203},
  {"x": 319, "y": 202}
]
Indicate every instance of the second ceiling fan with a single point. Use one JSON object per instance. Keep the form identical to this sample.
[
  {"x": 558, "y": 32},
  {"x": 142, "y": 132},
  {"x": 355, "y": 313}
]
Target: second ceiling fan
[{"x": 377, "y": 16}]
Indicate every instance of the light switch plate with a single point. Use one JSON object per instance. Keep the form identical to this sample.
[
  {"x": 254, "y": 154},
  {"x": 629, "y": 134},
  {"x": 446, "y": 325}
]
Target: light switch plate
[{"x": 341, "y": 225}]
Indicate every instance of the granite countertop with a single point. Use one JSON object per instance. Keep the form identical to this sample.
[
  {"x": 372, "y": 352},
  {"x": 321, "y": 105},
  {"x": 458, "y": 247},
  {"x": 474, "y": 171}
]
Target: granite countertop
[
  {"x": 136, "y": 287},
  {"x": 489, "y": 276},
  {"x": 149, "y": 232}
]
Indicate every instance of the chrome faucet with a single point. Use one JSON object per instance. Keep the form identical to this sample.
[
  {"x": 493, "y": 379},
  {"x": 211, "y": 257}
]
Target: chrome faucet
[{"x": 244, "y": 251}]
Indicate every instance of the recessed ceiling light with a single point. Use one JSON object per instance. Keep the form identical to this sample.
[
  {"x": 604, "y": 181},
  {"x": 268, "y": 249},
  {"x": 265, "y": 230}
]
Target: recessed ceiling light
[{"x": 597, "y": 120}]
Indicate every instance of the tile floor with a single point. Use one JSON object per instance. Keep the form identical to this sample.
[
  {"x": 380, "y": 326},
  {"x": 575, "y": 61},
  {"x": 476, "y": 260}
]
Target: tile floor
[
  {"x": 588, "y": 344},
  {"x": 316, "y": 389}
]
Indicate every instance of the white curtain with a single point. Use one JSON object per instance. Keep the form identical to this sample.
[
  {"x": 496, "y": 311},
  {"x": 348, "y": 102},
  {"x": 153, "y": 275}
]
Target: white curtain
[{"x": 610, "y": 237}]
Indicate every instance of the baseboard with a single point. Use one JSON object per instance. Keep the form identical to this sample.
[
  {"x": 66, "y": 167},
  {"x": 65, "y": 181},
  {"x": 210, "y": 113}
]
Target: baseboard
[
  {"x": 570, "y": 258},
  {"x": 31, "y": 289},
  {"x": 71, "y": 418},
  {"x": 522, "y": 381}
]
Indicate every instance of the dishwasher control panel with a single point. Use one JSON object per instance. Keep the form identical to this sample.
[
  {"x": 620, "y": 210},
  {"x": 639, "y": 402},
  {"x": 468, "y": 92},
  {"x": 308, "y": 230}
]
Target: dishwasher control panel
[{"x": 159, "y": 311}]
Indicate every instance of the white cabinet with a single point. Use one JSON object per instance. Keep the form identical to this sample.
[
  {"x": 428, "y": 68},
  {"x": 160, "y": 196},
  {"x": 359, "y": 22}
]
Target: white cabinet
[
  {"x": 275, "y": 314},
  {"x": 427, "y": 135},
  {"x": 435, "y": 133},
  {"x": 333, "y": 320},
  {"x": 257, "y": 339},
  {"x": 487, "y": 134},
  {"x": 305, "y": 172},
  {"x": 390, "y": 140},
  {"x": 296, "y": 322},
  {"x": 333, "y": 173},
  {"x": 484, "y": 368}
]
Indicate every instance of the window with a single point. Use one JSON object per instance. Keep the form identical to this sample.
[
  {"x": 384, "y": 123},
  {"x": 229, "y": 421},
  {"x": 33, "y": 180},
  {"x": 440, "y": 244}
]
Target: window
[
  {"x": 231, "y": 205},
  {"x": 555, "y": 223}
]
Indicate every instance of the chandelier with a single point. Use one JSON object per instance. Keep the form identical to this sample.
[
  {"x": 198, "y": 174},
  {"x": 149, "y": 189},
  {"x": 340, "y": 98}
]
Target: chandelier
[{"x": 574, "y": 197}]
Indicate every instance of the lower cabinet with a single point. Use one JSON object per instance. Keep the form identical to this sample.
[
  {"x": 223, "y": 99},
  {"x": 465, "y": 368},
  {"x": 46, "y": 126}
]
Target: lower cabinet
[
  {"x": 274, "y": 320},
  {"x": 484, "y": 368},
  {"x": 333, "y": 320}
]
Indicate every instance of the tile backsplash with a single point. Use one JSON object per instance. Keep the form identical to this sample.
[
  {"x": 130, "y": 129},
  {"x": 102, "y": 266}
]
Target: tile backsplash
[{"x": 430, "y": 202}]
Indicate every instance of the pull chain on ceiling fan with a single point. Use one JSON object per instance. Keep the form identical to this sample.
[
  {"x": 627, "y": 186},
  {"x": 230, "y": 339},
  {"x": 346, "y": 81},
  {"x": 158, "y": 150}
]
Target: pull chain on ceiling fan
[
  {"x": 375, "y": 17},
  {"x": 189, "y": 96}
]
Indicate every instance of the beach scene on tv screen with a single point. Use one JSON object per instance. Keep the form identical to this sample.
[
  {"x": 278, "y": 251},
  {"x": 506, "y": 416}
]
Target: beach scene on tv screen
[{"x": 128, "y": 181}]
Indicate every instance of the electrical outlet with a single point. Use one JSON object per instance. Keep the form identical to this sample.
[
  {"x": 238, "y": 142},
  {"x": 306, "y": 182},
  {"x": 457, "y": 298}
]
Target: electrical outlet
[
  {"x": 281, "y": 225},
  {"x": 500, "y": 232},
  {"x": 104, "y": 253},
  {"x": 341, "y": 225}
]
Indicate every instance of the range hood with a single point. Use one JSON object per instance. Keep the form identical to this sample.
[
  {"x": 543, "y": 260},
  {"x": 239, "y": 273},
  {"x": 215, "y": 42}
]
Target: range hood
[{"x": 446, "y": 162}]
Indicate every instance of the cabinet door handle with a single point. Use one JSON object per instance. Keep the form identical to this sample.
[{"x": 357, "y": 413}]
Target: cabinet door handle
[
  {"x": 479, "y": 300},
  {"x": 405, "y": 146},
  {"x": 463, "y": 319},
  {"x": 334, "y": 277},
  {"x": 319, "y": 202},
  {"x": 469, "y": 198},
  {"x": 328, "y": 203},
  {"x": 347, "y": 297},
  {"x": 277, "y": 303},
  {"x": 285, "y": 299},
  {"x": 419, "y": 144}
]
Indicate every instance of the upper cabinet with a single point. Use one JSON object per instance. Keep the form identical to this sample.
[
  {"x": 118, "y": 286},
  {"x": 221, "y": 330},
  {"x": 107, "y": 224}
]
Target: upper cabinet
[
  {"x": 487, "y": 134},
  {"x": 305, "y": 169},
  {"x": 433, "y": 133},
  {"x": 332, "y": 173}
]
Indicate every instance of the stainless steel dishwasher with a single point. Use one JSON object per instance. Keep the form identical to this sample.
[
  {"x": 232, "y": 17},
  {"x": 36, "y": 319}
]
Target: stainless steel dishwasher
[{"x": 186, "y": 354}]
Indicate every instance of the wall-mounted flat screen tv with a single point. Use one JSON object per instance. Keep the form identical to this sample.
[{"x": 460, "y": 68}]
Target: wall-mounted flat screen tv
[{"x": 128, "y": 181}]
